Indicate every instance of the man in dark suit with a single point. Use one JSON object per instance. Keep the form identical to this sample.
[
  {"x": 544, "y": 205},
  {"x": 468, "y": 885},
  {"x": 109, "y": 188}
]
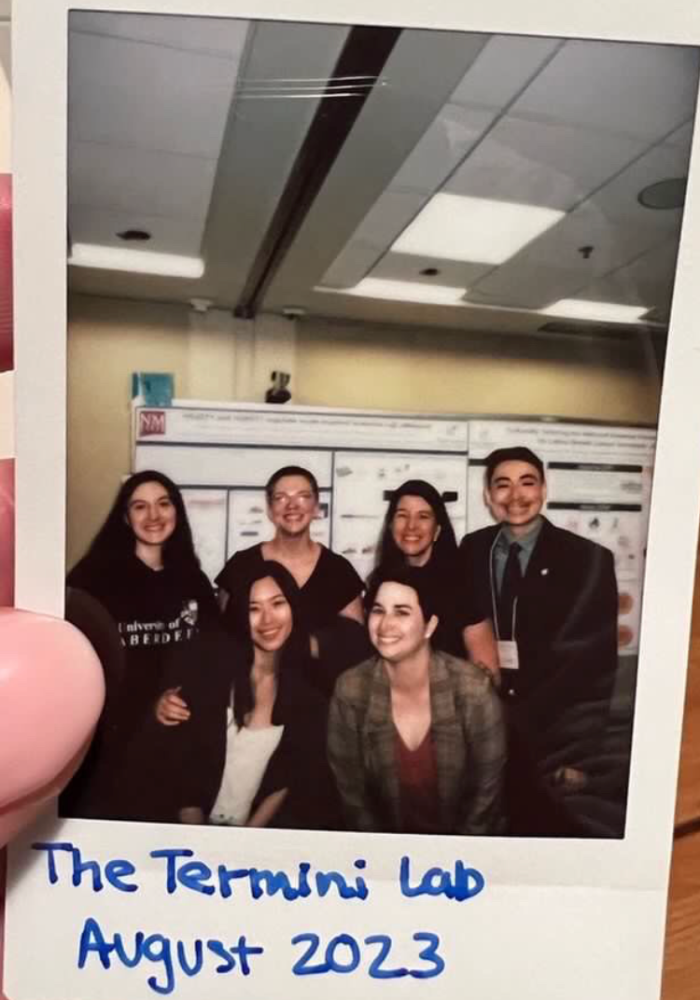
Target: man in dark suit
[{"x": 553, "y": 596}]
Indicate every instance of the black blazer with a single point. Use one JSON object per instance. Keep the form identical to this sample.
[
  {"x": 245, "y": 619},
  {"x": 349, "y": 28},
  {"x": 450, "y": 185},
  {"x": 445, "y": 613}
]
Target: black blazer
[{"x": 566, "y": 630}]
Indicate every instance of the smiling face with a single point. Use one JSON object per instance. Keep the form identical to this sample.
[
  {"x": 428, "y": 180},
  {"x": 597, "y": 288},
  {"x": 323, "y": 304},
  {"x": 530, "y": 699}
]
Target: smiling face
[
  {"x": 415, "y": 530},
  {"x": 516, "y": 495},
  {"x": 293, "y": 505},
  {"x": 397, "y": 628},
  {"x": 269, "y": 614},
  {"x": 151, "y": 514}
]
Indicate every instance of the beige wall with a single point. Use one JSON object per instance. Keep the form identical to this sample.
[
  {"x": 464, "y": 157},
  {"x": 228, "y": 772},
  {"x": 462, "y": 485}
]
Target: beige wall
[
  {"x": 216, "y": 357},
  {"x": 450, "y": 372},
  {"x": 107, "y": 341},
  {"x": 212, "y": 356}
]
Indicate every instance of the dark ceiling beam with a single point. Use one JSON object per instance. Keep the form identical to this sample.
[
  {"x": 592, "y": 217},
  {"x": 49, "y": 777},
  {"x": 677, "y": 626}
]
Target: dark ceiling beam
[{"x": 363, "y": 57}]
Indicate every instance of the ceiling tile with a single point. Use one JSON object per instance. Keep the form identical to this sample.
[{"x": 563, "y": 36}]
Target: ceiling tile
[
  {"x": 681, "y": 137},
  {"x": 618, "y": 200},
  {"x": 388, "y": 216},
  {"x": 407, "y": 267},
  {"x": 502, "y": 69},
  {"x": 169, "y": 235},
  {"x": 224, "y": 37},
  {"x": 448, "y": 140},
  {"x": 538, "y": 163},
  {"x": 612, "y": 223},
  {"x": 129, "y": 93},
  {"x": 554, "y": 267},
  {"x": 139, "y": 180},
  {"x": 648, "y": 280},
  {"x": 638, "y": 90},
  {"x": 527, "y": 286},
  {"x": 350, "y": 266}
]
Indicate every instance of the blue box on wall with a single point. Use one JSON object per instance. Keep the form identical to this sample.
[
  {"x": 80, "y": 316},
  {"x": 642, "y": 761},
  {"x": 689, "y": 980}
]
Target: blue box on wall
[{"x": 154, "y": 388}]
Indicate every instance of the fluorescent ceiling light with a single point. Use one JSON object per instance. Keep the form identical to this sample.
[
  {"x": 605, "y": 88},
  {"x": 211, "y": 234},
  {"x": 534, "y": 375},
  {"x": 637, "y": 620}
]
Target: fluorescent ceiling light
[
  {"x": 404, "y": 291},
  {"x": 604, "y": 312},
  {"x": 479, "y": 230},
  {"x": 135, "y": 261}
]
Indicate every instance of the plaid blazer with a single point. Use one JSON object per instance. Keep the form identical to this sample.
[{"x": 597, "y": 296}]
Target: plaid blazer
[{"x": 468, "y": 734}]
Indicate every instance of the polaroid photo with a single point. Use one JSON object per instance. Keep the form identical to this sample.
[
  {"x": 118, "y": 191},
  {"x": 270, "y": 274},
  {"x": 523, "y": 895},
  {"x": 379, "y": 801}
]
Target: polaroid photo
[{"x": 361, "y": 382}]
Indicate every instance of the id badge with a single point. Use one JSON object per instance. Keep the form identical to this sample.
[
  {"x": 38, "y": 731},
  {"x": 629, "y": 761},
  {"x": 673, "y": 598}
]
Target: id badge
[{"x": 508, "y": 654}]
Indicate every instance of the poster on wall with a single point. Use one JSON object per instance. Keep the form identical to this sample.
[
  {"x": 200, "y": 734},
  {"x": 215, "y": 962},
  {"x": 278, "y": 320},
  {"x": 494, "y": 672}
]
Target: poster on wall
[
  {"x": 362, "y": 457},
  {"x": 295, "y": 789}
]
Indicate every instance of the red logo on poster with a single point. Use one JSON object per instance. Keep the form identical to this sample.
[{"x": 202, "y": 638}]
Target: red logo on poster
[{"x": 151, "y": 422}]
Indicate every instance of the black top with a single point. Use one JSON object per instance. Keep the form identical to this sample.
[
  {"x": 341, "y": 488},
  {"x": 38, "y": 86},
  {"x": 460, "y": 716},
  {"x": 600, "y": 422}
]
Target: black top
[
  {"x": 331, "y": 587},
  {"x": 456, "y": 603},
  {"x": 154, "y": 610},
  {"x": 186, "y": 762}
]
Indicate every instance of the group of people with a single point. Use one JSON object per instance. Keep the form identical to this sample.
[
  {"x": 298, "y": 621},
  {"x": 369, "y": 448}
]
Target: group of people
[{"x": 459, "y": 690}]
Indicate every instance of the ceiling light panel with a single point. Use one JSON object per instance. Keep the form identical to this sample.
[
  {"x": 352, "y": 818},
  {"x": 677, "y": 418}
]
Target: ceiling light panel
[
  {"x": 406, "y": 291},
  {"x": 603, "y": 312},
  {"x": 135, "y": 261},
  {"x": 474, "y": 229}
]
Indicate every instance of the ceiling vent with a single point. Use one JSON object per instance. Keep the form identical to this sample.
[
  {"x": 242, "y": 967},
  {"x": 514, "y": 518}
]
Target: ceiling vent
[{"x": 616, "y": 331}]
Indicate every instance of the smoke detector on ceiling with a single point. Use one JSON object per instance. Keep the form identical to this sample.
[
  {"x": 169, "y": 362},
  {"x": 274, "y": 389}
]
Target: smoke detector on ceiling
[{"x": 666, "y": 194}]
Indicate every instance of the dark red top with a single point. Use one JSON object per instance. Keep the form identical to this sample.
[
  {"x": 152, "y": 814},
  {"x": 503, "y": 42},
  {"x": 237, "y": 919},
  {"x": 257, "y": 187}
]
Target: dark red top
[{"x": 420, "y": 804}]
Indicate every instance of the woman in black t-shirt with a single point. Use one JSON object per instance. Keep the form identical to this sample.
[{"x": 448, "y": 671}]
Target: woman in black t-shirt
[
  {"x": 143, "y": 569},
  {"x": 330, "y": 589},
  {"x": 417, "y": 531}
]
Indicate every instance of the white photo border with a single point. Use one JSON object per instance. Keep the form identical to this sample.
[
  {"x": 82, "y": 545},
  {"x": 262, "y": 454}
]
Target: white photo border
[{"x": 641, "y": 861}]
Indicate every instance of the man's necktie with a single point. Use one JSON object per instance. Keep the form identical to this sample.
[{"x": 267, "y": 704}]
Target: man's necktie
[{"x": 510, "y": 587}]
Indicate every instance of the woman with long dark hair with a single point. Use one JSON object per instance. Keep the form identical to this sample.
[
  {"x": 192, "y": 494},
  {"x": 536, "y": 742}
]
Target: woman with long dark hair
[
  {"x": 253, "y": 743},
  {"x": 417, "y": 532},
  {"x": 143, "y": 570}
]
